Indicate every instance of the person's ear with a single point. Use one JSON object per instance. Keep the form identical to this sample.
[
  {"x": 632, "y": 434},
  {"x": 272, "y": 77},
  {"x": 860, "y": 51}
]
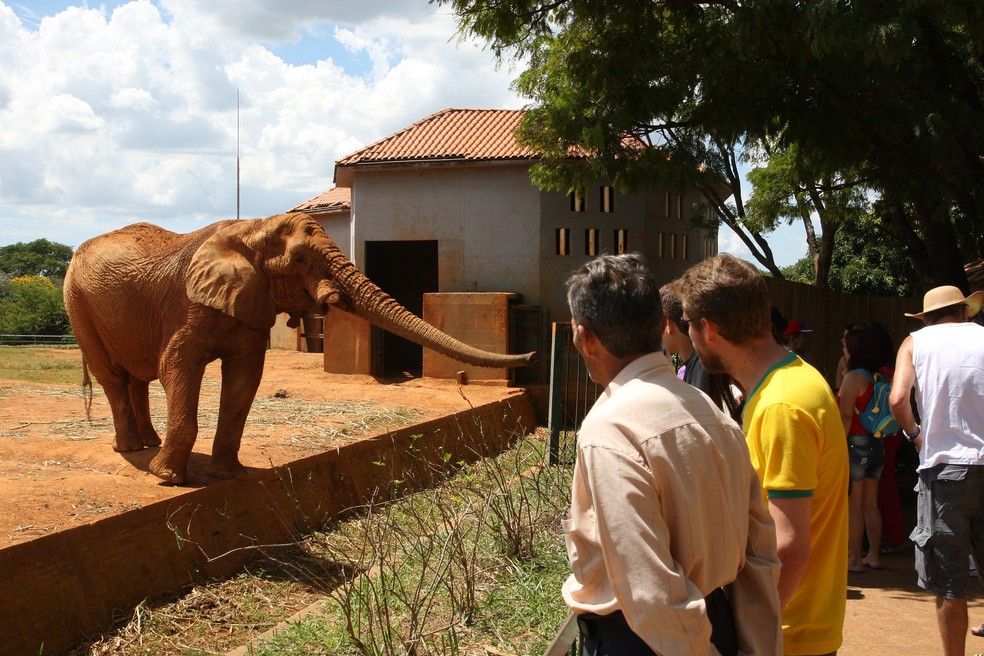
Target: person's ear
[
  {"x": 711, "y": 331},
  {"x": 587, "y": 340}
]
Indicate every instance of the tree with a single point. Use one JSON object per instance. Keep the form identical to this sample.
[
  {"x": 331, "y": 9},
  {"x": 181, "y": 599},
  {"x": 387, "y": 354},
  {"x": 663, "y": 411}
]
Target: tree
[
  {"x": 37, "y": 258},
  {"x": 32, "y": 305},
  {"x": 864, "y": 261},
  {"x": 893, "y": 91},
  {"x": 785, "y": 189}
]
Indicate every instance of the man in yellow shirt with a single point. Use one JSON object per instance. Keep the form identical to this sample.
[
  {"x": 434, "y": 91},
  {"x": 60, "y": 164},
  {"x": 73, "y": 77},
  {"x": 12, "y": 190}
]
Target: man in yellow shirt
[{"x": 795, "y": 439}]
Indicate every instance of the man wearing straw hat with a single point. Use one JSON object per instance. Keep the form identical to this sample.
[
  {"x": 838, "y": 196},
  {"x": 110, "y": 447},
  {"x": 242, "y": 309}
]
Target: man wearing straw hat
[{"x": 944, "y": 363}]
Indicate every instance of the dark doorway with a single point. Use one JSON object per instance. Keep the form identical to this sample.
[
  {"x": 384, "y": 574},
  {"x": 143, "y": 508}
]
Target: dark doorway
[{"x": 406, "y": 270}]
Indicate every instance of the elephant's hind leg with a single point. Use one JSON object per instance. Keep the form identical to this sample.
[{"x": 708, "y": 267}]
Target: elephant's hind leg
[
  {"x": 127, "y": 437},
  {"x": 140, "y": 402},
  {"x": 115, "y": 382}
]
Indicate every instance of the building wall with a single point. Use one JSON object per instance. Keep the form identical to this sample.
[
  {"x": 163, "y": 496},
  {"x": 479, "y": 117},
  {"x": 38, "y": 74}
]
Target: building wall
[
  {"x": 497, "y": 233},
  {"x": 338, "y": 226},
  {"x": 484, "y": 218},
  {"x": 656, "y": 224}
]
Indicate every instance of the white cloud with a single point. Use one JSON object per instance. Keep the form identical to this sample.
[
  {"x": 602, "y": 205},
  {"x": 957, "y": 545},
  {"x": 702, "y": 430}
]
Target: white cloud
[{"x": 111, "y": 115}]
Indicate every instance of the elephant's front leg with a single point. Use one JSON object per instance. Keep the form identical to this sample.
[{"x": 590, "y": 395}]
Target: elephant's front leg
[
  {"x": 182, "y": 382},
  {"x": 240, "y": 380}
]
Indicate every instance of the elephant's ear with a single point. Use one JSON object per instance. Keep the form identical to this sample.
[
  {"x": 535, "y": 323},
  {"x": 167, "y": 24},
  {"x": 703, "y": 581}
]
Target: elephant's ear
[{"x": 222, "y": 275}]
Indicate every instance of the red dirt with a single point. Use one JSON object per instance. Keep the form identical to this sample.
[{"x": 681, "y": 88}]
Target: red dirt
[{"x": 58, "y": 470}]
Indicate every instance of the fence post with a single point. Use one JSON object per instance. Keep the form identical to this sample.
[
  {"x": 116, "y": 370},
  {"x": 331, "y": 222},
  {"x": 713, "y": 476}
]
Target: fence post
[{"x": 555, "y": 412}]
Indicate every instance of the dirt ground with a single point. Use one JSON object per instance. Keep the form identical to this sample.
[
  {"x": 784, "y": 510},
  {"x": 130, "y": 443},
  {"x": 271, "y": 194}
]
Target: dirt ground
[{"x": 58, "y": 470}]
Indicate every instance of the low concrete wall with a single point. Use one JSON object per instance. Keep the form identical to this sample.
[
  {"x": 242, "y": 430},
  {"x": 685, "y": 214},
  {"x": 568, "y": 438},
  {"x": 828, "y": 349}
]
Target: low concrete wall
[{"x": 57, "y": 589}]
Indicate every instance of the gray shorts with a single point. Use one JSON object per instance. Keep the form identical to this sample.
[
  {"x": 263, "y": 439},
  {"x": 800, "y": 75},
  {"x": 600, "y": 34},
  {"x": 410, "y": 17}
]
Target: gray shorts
[{"x": 949, "y": 527}]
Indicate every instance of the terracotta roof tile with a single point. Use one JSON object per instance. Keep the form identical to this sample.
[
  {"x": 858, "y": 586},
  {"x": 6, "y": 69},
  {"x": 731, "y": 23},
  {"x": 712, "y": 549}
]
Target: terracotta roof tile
[
  {"x": 336, "y": 199},
  {"x": 460, "y": 134}
]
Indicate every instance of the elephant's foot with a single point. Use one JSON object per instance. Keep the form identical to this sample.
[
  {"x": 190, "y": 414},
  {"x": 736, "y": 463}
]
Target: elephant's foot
[
  {"x": 226, "y": 467},
  {"x": 160, "y": 468},
  {"x": 150, "y": 438},
  {"x": 129, "y": 442}
]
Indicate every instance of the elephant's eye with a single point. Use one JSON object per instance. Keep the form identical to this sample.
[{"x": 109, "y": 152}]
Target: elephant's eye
[{"x": 299, "y": 259}]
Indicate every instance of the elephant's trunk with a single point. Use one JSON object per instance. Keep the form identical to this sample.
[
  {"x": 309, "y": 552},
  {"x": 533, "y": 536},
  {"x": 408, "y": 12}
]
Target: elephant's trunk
[{"x": 365, "y": 299}]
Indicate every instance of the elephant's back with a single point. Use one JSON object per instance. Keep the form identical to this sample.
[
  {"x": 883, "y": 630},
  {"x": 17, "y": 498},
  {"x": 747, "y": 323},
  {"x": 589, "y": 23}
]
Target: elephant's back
[
  {"x": 123, "y": 278},
  {"x": 142, "y": 241}
]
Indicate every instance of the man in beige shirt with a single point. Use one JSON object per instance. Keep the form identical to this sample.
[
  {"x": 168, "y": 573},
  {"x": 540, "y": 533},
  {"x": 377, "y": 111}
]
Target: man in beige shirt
[{"x": 667, "y": 532}]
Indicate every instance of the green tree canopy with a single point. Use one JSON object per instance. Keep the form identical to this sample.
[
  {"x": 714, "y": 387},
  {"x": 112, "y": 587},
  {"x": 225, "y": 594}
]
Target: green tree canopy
[
  {"x": 37, "y": 258},
  {"x": 31, "y": 305},
  {"x": 865, "y": 261},
  {"x": 892, "y": 91}
]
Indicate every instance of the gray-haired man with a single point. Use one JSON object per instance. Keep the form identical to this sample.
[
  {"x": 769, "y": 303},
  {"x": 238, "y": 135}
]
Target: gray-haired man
[{"x": 666, "y": 510}]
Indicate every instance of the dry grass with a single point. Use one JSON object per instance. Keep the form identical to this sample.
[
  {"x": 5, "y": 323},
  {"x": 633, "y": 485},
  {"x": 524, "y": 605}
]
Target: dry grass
[{"x": 211, "y": 618}]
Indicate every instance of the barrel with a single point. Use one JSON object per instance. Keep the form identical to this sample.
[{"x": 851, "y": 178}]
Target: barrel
[{"x": 312, "y": 330}]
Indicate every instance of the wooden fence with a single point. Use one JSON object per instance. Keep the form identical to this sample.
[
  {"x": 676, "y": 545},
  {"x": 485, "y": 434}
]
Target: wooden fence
[{"x": 828, "y": 312}]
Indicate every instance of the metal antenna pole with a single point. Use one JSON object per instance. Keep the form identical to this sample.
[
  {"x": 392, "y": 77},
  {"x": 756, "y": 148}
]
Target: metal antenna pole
[{"x": 237, "y": 154}]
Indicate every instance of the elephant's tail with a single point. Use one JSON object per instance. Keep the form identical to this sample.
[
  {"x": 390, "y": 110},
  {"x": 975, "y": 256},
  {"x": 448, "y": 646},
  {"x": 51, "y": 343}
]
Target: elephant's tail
[{"x": 86, "y": 390}]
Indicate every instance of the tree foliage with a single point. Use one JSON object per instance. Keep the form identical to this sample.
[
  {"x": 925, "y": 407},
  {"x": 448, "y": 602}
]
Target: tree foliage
[
  {"x": 31, "y": 305},
  {"x": 889, "y": 91},
  {"x": 786, "y": 188},
  {"x": 865, "y": 261},
  {"x": 31, "y": 278},
  {"x": 37, "y": 258}
]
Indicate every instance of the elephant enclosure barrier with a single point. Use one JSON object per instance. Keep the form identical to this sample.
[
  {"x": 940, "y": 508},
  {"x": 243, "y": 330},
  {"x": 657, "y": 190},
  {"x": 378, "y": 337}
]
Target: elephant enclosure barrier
[{"x": 65, "y": 581}]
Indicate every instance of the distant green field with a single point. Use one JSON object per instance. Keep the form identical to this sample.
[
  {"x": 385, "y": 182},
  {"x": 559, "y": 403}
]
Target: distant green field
[{"x": 41, "y": 365}]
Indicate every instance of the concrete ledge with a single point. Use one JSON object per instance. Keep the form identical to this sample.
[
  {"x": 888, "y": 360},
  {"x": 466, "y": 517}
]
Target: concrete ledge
[{"x": 57, "y": 589}]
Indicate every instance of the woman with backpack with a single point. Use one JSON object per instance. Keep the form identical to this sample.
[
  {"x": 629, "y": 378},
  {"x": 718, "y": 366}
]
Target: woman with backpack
[{"x": 863, "y": 354}]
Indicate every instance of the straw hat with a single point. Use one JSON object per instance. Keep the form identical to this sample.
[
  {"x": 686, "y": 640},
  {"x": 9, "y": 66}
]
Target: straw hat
[{"x": 941, "y": 297}]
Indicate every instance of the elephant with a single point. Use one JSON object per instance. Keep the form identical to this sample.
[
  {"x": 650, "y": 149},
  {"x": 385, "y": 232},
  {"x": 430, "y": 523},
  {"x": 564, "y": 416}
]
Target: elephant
[{"x": 146, "y": 303}]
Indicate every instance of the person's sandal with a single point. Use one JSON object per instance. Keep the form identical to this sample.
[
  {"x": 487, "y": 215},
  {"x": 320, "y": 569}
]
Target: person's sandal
[{"x": 977, "y": 630}]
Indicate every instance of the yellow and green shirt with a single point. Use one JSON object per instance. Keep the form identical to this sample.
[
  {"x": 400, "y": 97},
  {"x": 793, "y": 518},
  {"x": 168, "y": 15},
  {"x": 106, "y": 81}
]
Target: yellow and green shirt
[{"x": 797, "y": 444}]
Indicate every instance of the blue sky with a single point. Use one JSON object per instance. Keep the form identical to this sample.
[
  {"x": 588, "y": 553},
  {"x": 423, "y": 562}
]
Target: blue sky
[{"x": 120, "y": 111}]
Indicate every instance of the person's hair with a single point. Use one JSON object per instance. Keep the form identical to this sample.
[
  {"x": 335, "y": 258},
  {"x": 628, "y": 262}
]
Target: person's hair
[
  {"x": 731, "y": 293},
  {"x": 719, "y": 389},
  {"x": 779, "y": 324},
  {"x": 938, "y": 314},
  {"x": 617, "y": 298},
  {"x": 886, "y": 345},
  {"x": 672, "y": 306},
  {"x": 864, "y": 350}
]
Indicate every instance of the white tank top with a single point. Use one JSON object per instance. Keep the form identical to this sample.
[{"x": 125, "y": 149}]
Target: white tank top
[{"x": 949, "y": 364}]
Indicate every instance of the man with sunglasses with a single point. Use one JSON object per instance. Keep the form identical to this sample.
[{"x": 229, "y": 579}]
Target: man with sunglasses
[{"x": 795, "y": 438}]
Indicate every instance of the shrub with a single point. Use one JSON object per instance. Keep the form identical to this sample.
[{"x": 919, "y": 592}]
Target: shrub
[{"x": 32, "y": 305}]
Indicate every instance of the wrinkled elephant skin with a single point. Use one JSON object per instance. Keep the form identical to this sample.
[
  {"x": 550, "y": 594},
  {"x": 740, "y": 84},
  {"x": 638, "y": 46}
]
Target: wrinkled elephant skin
[{"x": 148, "y": 304}]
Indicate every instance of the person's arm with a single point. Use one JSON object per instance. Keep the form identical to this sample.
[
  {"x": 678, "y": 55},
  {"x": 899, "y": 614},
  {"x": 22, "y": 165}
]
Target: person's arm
[
  {"x": 853, "y": 386},
  {"x": 792, "y": 518},
  {"x": 754, "y": 594},
  {"x": 841, "y": 372},
  {"x": 902, "y": 384}
]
